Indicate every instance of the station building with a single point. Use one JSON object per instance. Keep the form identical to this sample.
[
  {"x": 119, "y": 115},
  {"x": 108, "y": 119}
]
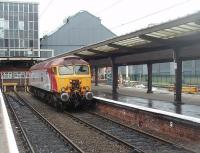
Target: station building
[
  {"x": 19, "y": 39},
  {"x": 77, "y": 31}
]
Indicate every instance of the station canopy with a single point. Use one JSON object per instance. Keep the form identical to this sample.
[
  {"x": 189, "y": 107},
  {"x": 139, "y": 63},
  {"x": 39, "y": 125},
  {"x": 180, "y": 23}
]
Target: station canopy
[{"x": 174, "y": 34}]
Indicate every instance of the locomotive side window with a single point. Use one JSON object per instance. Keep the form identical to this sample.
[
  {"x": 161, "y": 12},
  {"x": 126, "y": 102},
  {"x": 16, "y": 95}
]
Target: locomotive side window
[
  {"x": 66, "y": 70},
  {"x": 81, "y": 69}
]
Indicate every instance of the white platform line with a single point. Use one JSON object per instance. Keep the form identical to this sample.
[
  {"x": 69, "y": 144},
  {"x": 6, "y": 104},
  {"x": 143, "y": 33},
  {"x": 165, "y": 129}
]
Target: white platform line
[
  {"x": 12, "y": 146},
  {"x": 174, "y": 115}
]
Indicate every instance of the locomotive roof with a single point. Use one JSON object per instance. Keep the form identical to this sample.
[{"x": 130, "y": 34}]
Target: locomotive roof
[{"x": 58, "y": 61}]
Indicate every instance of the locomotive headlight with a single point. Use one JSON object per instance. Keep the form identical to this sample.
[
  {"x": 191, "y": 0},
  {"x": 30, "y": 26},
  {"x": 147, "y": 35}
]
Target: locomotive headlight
[
  {"x": 87, "y": 88},
  {"x": 63, "y": 89},
  {"x": 89, "y": 95},
  {"x": 64, "y": 97}
]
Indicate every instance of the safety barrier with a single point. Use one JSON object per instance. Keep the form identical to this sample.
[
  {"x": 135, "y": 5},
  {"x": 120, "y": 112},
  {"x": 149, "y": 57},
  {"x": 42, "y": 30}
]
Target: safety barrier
[{"x": 186, "y": 89}]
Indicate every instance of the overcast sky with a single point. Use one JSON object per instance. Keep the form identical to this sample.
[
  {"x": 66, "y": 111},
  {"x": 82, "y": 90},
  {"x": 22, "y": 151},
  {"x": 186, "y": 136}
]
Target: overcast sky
[{"x": 120, "y": 16}]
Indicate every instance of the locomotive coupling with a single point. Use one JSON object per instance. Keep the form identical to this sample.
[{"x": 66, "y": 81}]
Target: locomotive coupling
[
  {"x": 89, "y": 95},
  {"x": 64, "y": 97}
]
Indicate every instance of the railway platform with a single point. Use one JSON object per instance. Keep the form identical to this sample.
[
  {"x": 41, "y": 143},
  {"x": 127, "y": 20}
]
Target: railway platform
[
  {"x": 160, "y": 99},
  {"x": 7, "y": 139}
]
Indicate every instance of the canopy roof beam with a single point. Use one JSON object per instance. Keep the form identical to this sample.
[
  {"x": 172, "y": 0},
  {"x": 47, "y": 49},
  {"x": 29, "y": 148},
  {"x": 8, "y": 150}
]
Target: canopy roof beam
[
  {"x": 80, "y": 55},
  {"x": 153, "y": 39},
  {"x": 96, "y": 51},
  {"x": 118, "y": 46}
]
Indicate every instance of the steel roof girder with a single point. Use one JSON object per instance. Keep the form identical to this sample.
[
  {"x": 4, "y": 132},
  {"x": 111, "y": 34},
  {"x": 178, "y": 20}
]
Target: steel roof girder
[{"x": 96, "y": 51}]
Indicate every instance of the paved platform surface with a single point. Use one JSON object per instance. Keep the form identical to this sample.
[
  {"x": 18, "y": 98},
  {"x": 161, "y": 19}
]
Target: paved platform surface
[
  {"x": 7, "y": 140},
  {"x": 160, "y": 99},
  {"x": 3, "y": 138}
]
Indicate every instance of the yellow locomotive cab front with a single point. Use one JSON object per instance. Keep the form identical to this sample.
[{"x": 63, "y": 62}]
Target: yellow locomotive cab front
[{"x": 74, "y": 79}]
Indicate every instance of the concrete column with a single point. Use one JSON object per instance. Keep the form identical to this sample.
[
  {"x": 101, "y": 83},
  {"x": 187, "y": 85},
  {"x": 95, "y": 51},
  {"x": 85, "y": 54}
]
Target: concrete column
[
  {"x": 114, "y": 76},
  {"x": 149, "y": 84},
  {"x": 96, "y": 76},
  {"x": 178, "y": 77}
]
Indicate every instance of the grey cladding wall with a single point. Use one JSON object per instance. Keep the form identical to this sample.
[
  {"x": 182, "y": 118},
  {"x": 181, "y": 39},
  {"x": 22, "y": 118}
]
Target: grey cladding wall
[{"x": 79, "y": 30}]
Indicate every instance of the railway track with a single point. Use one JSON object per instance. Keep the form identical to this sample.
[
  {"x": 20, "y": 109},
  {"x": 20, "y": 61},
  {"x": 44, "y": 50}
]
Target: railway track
[
  {"x": 88, "y": 139},
  {"x": 139, "y": 141},
  {"x": 39, "y": 134}
]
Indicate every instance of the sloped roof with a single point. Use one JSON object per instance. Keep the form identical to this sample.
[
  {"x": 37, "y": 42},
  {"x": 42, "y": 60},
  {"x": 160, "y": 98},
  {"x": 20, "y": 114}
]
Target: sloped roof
[{"x": 176, "y": 33}]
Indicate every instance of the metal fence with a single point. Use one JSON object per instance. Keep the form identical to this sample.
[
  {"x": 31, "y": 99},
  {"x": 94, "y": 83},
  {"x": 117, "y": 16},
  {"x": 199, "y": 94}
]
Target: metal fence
[{"x": 165, "y": 79}]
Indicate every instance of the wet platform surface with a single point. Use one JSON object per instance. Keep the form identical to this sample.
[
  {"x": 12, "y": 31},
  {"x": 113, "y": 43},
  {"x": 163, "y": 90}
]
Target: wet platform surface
[{"x": 184, "y": 109}]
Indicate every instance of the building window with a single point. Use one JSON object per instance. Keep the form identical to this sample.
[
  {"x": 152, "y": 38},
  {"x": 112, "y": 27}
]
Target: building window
[
  {"x": 16, "y": 34},
  {"x": 25, "y": 16},
  {"x": 25, "y": 7},
  {"x": 1, "y": 43},
  {"x": 35, "y": 34},
  {"x": 15, "y": 25},
  {"x": 16, "y": 16},
  {"x": 30, "y": 34},
  {"x": 6, "y": 25},
  {"x": 11, "y": 16},
  {"x": 6, "y": 43},
  {"x": 1, "y": 28},
  {"x": 1, "y": 15},
  {"x": 21, "y": 16},
  {"x": 35, "y": 25},
  {"x": 1, "y": 7},
  {"x": 30, "y": 8},
  {"x": 6, "y": 34},
  {"x": 15, "y": 7},
  {"x": 12, "y": 54},
  {"x": 30, "y": 16},
  {"x": 21, "y": 8},
  {"x": 11, "y": 25},
  {"x": 22, "y": 53},
  {"x": 5, "y": 7},
  {"x": 16, "y": 43},
  {"x": 35, "y": 53},
  {"x": 11, "y": 7},
  {"x": 21, "y": 25},
  {"x": 6, "y": 15},
  {"x": 31, "y": 43},
  {"x": 17, "y": 53},
  {"x": 12, "y": 43},
  {"x": 35, "y": 16},
  {"x": 35, "y": 43},
  {"x": 21, "y": 43},
  {"x": 30, "y": 25},
  {"x": 26, "y": 44},
  {"x": 35, "y": 8}
]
